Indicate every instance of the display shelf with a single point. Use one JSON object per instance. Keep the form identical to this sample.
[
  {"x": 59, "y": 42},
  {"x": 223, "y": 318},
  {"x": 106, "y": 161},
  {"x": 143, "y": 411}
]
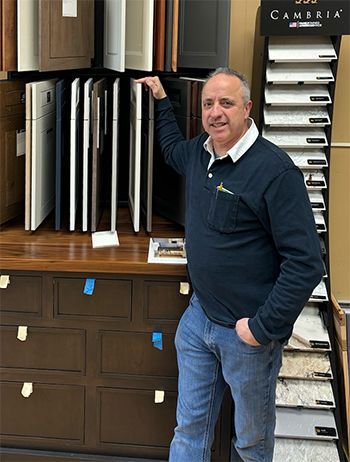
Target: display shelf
[
  {"x": 304, "y": 393},
  {"x": 296, "y": 117},
  {"x": 292, "y": 73},
  {"x": 305, "y": 423},
  {"x": 301, "y": 49},
  {"x": 297, "y": 95}
]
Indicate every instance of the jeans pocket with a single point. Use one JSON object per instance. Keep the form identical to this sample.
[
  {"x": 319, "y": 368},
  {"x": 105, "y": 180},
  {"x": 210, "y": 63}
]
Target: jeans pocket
[
  {"x": 223, "y": 209},
  {"x": 250, "y": 347}
]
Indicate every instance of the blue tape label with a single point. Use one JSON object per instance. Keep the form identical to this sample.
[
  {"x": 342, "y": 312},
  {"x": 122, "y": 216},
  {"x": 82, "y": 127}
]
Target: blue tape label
[
  {"x": 89, "y": 286},
  {"x": 157, "y": 340}
]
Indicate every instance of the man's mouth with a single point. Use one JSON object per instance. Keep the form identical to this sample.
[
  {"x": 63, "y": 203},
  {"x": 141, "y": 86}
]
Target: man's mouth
[{"x": 218, "y": 124}]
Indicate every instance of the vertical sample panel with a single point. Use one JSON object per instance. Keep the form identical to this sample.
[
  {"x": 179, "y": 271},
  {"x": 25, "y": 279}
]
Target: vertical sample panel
[
  {"x": 66, "y": 42},
  {"x": 139, "y": 34},
  {"x": 74, "y": 153},
  {"x": 9, "y": 35},
  {"x": 115, "y": 155},
  {"x": 28, "y": 35},
  {"x": 87, "y": 147},
  {"x": 114, "y": 35},
  {"x": 159, "y": 34}
]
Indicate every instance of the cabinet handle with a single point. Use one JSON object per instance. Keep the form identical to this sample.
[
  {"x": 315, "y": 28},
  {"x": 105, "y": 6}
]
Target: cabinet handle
[
  {"x": 184, "y": 288},
  {"x": 4, "y": 281},
  {"x": 22, "y": 333},
  {"x": 27, "y": 389}
]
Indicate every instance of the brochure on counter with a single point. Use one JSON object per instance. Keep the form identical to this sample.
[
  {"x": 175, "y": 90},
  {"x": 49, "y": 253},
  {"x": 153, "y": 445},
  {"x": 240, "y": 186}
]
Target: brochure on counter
[{"x": 169, "y": 250}]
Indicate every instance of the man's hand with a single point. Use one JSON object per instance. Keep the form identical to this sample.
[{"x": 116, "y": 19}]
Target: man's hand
[
  {"x": 155, "y": 85},
  {"x": 243, "y": 331}
]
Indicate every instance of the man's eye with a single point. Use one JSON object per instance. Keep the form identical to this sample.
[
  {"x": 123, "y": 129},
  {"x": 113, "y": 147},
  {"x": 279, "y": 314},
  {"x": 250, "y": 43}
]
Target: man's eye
[
  {"x": 227, "y": 103},
  {"x": 207, "y": 104}
]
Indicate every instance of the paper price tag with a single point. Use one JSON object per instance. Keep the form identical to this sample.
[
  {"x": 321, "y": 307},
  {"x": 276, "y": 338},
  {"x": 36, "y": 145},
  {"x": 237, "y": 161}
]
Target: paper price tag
[
  {"x": 22, "y": 333},
  {"x": 4, "y": 281},
  {"x": 27, "y": 389},
  {"x": 158, "y": 396}
]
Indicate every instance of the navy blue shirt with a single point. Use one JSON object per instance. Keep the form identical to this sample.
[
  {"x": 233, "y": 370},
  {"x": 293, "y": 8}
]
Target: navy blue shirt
[{"x": 254, "y": 253}]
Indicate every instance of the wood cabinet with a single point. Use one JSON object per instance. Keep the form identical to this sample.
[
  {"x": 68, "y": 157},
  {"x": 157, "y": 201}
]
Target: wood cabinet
[{"x": 89, "y": 359}]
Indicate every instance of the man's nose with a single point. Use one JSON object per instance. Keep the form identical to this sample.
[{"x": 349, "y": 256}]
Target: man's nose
[{"x": 216, "y": 110}]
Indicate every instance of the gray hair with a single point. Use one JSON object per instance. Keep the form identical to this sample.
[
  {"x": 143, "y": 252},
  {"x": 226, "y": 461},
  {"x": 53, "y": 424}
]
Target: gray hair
[{"x": 230, "y": 72}]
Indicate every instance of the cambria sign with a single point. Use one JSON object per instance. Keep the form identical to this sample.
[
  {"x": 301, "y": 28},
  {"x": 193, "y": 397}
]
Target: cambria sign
[{"x": 305, "y": 17}]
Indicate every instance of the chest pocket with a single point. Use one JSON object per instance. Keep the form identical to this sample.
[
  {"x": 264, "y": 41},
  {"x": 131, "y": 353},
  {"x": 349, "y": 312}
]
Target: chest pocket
[{"x": 223, "y": 210}]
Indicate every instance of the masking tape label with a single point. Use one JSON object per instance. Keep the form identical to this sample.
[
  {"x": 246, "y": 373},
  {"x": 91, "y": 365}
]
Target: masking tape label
[
  {"x": 184, "y": 288},
  {"x": 158, "y": 396},
  {"x": 89, "y": 286},
  {"x": 27, "y": 389},
  {"x": 157, "y": 340},
  {"x": 22, "y": 333},
  {"x": 4, "y": 281}
]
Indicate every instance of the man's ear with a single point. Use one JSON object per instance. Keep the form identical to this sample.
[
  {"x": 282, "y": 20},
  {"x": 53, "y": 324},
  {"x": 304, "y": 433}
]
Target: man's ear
[{"x": 248, "y": 107}]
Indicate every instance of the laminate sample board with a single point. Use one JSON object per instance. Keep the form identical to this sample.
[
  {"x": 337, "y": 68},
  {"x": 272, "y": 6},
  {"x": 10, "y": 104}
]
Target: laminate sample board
[
  {"x": 301, "y": 49},
  {"x": 43, "y": 151},
  {"x": 306, "y": 365},
  {"x": 293, "y": 73},
  {"x": 135, "y": 153},
  {"x": 28, "y": 156},
  {"x": 139, "y": 34},
  {"x": 304, "y": 393},
  {"x": 87, "y": 147},
  {"x": 74, "y": 182},
  {"x": 317, "y": 200},
  {"x": 114, "y": 34},
  {"x": 297, "y": 95},
  {"x": 305, "y": 423},
  {"x": 308, "y": 158},
  {"x": 321, "y": 228},
  {"x": 296, "y": 117},
  {"x": 315, "y": 180},
  {"x": 300, "y": 450},
  {"x": 12, "y": 152},
  {"x": 28, "y": 35},
  {"x": 296, "y": 137}
]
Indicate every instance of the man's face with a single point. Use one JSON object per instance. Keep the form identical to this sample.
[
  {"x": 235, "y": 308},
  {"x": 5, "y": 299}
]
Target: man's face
[{"x": 224, "y": 113}]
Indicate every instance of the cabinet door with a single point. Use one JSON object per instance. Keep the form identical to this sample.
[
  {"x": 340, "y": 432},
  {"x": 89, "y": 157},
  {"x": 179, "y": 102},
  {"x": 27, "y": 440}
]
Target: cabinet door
[
  {"x": 9, "y": 33},
  {"x": 114, "y": 39},
  {"x": 28, "y": 35},
  {"x": 199, "y": 45},
  {"x": 139, "y": 34},
  {"x": 66, "y": 34}
]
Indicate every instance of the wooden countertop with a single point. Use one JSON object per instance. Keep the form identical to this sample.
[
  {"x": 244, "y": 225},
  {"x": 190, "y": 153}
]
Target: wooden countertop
[{"x": 48, "y": 250}]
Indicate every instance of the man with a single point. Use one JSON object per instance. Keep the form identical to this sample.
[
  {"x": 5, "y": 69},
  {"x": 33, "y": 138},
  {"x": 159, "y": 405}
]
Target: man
[{"x": 253, "y": 258}]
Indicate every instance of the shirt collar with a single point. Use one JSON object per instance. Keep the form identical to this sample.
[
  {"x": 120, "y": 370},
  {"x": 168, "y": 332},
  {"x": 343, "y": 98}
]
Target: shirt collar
[{"x": 240, "y": 148}]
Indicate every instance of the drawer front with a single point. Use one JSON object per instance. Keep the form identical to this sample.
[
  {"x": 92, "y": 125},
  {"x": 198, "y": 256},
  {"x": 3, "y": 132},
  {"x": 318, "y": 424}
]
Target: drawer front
[
  {"x": 109, "y": 299},
  {"x": 163, "y": 301},
  {"x": 131, "y": 417},
  {"x": 44, "y": 349},
  {"x": 133, "y": 353},
  {"x": 50, "y": 412},
  {"x": 22, "y": 296}
]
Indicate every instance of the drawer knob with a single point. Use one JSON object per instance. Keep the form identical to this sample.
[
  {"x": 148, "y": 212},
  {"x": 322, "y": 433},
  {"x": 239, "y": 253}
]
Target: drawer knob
[
  {"x": 22, "y": 333},
  {"x": 184, "y": 288},
  {"x": 4, "y": 281},
  {"x": 158, "y": 396},
  {"x": 27, "y": 389}
]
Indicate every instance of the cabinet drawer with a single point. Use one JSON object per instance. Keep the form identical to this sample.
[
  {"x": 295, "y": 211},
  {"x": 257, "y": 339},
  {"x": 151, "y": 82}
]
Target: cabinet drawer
[
  {"x": 22, "y": 296},
  {"x": 44, "y": 348},
  {"x": 131, "y": 417},
  {"x": 51, "y": 411},
  {"x": 133, "y": 353},
  {"x": 163, "y": 301},
  {"x": 110, "y": 298}
]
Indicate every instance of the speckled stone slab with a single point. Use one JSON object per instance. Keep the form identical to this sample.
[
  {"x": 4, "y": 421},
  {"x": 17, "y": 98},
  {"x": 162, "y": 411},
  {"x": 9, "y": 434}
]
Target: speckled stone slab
[
  {"x": 297, "y": 49},
  {"x": 296, "y": 116},
  {"x": 297, "y": 95},
  {"x": 288, "y": 73},
  {"x": 305, "y": 365},
  {"x": 306, "y": 393},
  {"x": 317, "y": 200},
  {"x": 299, "y": 450},
  {"x": 296, "y": 137},
  {"x": 308, "y": 158}
]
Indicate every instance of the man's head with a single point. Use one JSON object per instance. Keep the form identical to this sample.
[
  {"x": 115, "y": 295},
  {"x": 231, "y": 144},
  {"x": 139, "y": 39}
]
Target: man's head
[{"x": 226, "y": 107}]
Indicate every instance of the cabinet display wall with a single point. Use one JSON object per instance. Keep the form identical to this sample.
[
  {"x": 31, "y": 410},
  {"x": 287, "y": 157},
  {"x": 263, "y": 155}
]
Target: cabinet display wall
[{"x": 296, "y": 114}]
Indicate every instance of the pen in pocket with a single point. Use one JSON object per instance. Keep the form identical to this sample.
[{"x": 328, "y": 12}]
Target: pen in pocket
[{"x": 221, "y": 188}]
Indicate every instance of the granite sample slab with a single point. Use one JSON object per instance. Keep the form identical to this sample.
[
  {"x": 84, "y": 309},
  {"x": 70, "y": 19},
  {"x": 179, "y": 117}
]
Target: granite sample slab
[
  {"x": 301, "y": 49},
  {"x": 310, "y": 331},
  {"x": 296, "y": 137},
  {"x": 304, "y": 393},
  {"x": 315, "y": 180},
  {"x": 306, "y": 365},
  {"x": 301, "y": 116},
  {"x": 317, "y": 200},
  {"x": 319, "y": 294},
  {"x": 305, "y": 423},
  {"x": 321, "y": 228},
  {"x": 297, "y": 95},
  {"x": 308, "y": 158},
  {"x": 295, "y": 73},
  {"x": 300, "y": 450}
]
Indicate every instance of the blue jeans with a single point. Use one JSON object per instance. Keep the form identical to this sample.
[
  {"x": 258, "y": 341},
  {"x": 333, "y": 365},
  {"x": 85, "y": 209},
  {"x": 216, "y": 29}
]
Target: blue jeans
[{"x": 209, "y": 357}]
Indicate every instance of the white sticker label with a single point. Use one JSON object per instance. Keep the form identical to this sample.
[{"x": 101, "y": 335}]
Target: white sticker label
[
  {"x": 22, "y": 333},
  {"x": 184, "y": 288},
  {"x": 158, "y": 396},
  {"x": 70, "y": 8},
  {"x": 4, "y": 281},
  {"x": 20, "y": 142},
  {"x": 27, "y": 389}
]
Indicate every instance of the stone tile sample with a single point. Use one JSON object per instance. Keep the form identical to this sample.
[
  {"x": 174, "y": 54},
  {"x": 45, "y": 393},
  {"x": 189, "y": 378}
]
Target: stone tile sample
[
  {"x": 298, "y": 450},
  {"x": 304, "y": 365},
  {"x": 307, "y": 393}
]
